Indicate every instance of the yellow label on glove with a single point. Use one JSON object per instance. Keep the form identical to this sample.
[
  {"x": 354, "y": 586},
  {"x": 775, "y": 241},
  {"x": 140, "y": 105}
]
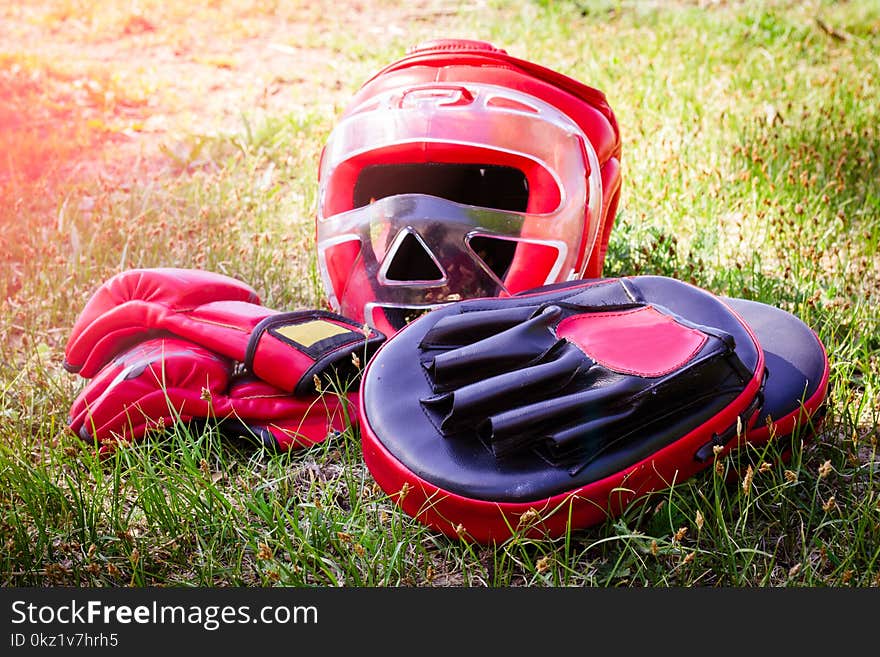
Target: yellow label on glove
[{"x": 308, "y": 333}]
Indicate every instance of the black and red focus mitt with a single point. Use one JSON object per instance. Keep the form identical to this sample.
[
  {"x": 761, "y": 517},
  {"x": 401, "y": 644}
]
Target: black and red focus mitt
[
  {"x": 564, "y": 405},
  {"x": 162, "y": 345}
]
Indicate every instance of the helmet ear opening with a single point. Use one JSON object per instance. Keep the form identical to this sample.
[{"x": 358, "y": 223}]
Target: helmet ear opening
[{"x": 482, "y": 185}]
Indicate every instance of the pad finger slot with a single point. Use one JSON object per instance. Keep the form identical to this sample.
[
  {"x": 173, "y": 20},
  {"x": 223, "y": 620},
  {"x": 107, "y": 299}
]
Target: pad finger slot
[
  {"x": 511, "y": 431},
  {"x": 466, "y": 406},
  {"x": 584, "y": 440},
  {"x": 521, "y": 345},
  {"x": 469, "y": 327}
]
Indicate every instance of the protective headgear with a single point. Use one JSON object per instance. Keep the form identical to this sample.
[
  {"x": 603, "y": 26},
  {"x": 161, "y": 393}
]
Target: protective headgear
[{"x": 460, "y": 171}]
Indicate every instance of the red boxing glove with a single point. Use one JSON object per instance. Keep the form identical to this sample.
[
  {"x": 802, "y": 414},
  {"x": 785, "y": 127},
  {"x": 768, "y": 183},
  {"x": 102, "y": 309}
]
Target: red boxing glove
[
  {"x": 163, "y": 380},
  {"x": 287, "y": 350}
]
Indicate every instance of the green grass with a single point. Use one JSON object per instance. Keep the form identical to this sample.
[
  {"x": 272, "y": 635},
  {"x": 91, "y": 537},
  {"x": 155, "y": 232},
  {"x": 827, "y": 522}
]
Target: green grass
[{"x": 751, "y": 167}]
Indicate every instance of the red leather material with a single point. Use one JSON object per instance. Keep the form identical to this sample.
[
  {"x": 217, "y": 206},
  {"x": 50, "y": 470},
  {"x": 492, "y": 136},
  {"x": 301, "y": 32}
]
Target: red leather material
[
  {"x": 527, "y": 270},
  {"x": 643, "y": 342},
  {"x": 164, "y": 380},
  {"x": 448, "y": 63},
  {"x": 468, "y": 432},
  {"x": 769, "y": 384},
  {"x": 179, "y": 302},
  {"x": 105, "y": 327},
  {"x": 489, "y": 521},
  {"x": 545, "y": 196},
  {"x": 611, "y": 184},
  {"x": 456, "y": 63},
  {"x": 222, "y": 326},
  {"x": 454, "y": 44},
  {"x": 340, "y": 259}
]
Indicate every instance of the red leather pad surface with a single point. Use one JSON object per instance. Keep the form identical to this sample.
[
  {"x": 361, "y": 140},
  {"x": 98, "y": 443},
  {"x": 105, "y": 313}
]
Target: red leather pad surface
[{"x": 642, "y": 341}]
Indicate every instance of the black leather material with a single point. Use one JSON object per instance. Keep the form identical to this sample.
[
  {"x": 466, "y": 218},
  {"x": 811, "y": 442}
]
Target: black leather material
[
  {"x": 412, "y": 414},
  {"x": 794, "y": 357}
]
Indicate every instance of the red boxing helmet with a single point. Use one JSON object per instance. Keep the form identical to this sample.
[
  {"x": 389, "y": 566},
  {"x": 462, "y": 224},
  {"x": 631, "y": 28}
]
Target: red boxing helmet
[{"x": 460, "y": 171}]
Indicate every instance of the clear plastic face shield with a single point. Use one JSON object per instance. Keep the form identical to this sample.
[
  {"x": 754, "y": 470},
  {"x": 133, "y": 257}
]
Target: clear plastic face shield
[{"x": 411, "y": 239}]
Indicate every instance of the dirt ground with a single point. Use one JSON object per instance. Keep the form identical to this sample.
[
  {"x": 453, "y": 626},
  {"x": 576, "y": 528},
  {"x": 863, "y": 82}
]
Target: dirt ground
[{"x": 102, "y": 82}]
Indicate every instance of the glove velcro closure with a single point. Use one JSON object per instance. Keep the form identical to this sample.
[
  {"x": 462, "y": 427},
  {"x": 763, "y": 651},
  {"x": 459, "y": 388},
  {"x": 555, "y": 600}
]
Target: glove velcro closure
[{"x": 295, "y": 349}]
